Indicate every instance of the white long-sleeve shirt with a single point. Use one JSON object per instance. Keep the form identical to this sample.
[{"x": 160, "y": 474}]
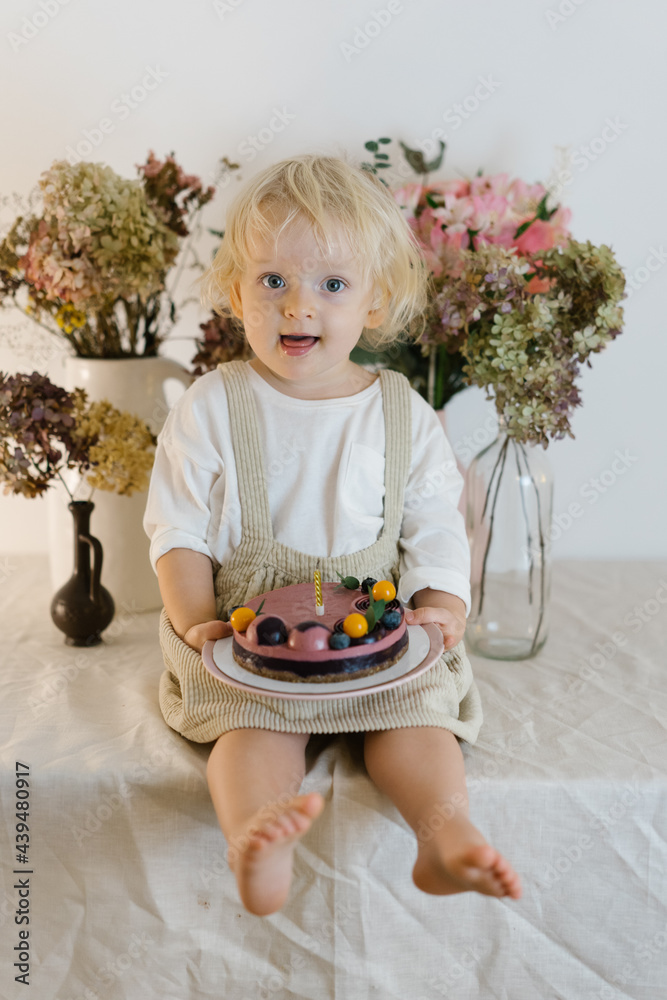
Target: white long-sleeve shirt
[{"x": 324, "y": 467}]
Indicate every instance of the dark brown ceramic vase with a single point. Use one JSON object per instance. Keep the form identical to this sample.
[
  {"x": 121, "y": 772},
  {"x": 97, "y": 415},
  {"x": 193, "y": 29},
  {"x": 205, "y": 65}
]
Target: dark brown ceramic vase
[{"x": 83, "y": 608}]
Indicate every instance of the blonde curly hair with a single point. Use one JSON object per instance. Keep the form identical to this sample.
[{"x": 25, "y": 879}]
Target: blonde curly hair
[{"x": 328, "y": 193}]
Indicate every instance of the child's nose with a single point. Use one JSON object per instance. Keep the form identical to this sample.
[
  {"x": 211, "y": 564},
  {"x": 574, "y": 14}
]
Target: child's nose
[{"x": 298, "y": 302}]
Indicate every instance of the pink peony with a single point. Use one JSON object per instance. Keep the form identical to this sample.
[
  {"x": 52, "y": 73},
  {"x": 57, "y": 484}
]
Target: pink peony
[
  {"x": 502, "y": 235},
  {"x": 539, "y": 236},
  {"x": 490, "y": 212},
  {"x": 538, "y": 285},
  {"x": 455, "y": 211},
  {"x": 455, "y": 236},
  {"x": 408, "y": 197},
  {"x": 495, "y": 184},
  {"x": 457, "y": 188},
  {"x": 492, "y": 207},
  {"x": 525, "y": 197}
]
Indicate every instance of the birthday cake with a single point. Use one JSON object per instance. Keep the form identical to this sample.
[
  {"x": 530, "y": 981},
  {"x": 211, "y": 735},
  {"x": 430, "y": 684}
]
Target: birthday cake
[{"x": 281, "y": 635}]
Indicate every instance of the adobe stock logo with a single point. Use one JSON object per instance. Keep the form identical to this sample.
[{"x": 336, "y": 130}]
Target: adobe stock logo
[
  {"x": 458, "y": 113},
  {"x": 31, "y": 26},
  {"x": 221, "y": 7},
  {"x": 656, "y": 259},
  {"x": 254, "y": 144},
  {"x": 122, "y": 107},
  {"x": 364, "y": 35},
  {"x": 594, "y": 488},
  {"x": 566, "y": 8},
  {"x": 585, "y": 155}
]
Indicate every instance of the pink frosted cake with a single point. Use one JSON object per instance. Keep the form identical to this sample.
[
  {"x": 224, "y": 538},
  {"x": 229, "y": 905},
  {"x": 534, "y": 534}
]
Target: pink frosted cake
[{"x": 288, "y": 641}]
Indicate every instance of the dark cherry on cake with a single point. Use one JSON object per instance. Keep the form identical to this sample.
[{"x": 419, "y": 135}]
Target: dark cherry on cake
[{"x": 280, "y": 636}]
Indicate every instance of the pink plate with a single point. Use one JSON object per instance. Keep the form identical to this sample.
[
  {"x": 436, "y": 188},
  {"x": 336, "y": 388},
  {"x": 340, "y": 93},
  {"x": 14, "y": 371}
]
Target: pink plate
[{"x": 425, "y": 646}]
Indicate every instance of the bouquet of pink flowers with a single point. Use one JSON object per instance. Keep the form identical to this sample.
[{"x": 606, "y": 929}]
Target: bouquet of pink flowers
[
  {"x": 515, "y": 304},
  {"x": 454, "y": 215}
]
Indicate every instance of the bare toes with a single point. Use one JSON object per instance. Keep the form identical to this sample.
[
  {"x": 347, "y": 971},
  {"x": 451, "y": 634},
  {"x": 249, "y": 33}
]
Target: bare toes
[
  {"x": 493, "y": 872},
  {"x": 312, "y": 804},
  {"x": 263, "y": 865},
  {"x": 472, "y": 867}
]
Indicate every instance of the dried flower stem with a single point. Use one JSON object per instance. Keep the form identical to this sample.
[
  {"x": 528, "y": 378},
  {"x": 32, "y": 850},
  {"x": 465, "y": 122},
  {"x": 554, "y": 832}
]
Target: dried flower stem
[
  {"x": 501, "y": 459},
  {"x": 432, "y": 364},
  {"x": 69, "y": 492},
  {"x": 517, "y": 449},
  {"x": 499, "y": 468},
  {"x": 542, "y": 556}
]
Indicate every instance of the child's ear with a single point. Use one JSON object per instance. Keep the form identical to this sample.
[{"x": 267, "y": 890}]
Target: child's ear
[
  {"x": 235, "y": 300},
  {"x": 377, "y": 315}
]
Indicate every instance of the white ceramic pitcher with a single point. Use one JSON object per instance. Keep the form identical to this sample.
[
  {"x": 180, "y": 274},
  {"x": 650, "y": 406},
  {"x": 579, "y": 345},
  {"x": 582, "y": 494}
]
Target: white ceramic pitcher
[{"x": 138, "y": 386}]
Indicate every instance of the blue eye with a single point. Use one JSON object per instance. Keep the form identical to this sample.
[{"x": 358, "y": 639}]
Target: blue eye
[
  {"x": 271, "y": 278},
  {"x": 337, "y": 281}
]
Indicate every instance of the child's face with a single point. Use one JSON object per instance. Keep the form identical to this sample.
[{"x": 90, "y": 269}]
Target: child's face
[{"x": 303, "y": 313}]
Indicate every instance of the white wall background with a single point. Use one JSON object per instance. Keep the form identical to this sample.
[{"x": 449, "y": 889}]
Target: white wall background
[{"x": 561, "y": 70}]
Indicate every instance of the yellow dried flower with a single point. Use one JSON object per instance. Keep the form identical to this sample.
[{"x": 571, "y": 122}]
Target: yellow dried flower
[
  {"x": 122, "y": 449},
  {"x": 69, "y": 318}
]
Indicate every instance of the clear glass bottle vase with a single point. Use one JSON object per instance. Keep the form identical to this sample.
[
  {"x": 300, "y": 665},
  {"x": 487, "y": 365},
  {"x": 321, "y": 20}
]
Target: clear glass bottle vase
[{"x": 508, "y": 520}]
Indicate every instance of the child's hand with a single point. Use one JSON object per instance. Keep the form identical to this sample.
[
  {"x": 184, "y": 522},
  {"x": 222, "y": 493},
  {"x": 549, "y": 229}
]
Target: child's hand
[
  {"x": 197, "y": 635},
  {"x": 450, "y": 624}
]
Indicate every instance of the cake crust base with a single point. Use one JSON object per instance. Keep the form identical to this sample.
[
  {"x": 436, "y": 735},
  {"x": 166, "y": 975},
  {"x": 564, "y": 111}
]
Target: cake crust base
[{"x": 346, "y": 670}]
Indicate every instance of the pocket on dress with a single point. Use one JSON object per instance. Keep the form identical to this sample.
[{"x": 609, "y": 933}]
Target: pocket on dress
[
  {"x": 459, "y": 667},
  {"x": 363, "y": 485}
]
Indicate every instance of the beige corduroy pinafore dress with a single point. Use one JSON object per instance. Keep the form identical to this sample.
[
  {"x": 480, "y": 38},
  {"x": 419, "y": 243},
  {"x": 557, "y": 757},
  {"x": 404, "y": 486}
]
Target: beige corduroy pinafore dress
[{"x": 201, "y": 708}]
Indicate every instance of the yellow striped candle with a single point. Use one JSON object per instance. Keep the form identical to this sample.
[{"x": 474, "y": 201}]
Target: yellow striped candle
[{"x": 319, "y": 604}]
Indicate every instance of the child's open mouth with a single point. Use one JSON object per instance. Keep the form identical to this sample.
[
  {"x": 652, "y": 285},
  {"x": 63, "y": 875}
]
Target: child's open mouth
[{"x": 297, "y": 344}]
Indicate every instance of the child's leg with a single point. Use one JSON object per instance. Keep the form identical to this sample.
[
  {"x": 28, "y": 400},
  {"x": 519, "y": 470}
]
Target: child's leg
[
  {"x": 254, "y": 777},
  {"x": 421, "y": 770}
]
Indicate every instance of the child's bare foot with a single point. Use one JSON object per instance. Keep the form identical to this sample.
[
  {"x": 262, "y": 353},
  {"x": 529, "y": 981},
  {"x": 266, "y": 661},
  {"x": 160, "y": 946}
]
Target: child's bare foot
[
  {"x": 459, "y": 860},
  {"x": 261, "y": 857}
]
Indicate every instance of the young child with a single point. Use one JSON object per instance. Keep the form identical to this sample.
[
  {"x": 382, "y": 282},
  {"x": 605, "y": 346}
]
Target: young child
[{"x": 265, "y": 469}]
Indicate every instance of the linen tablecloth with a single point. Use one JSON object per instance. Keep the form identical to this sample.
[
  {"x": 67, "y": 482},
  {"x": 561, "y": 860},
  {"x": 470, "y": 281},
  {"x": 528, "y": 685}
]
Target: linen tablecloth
[{"x": 126, "y": 886}]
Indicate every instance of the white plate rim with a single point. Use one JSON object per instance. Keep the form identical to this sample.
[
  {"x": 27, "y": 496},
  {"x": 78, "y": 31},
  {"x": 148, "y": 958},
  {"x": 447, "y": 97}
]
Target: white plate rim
[{"x": 366, "y": 685}]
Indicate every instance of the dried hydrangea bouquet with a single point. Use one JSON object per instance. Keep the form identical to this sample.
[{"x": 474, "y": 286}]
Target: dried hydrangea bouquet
[
  {"x": 44, "y": 430},
  {"x": 91, "y": 266},
  {"x": 95, "y": 261},
  {"x": 516, "y": 307}
]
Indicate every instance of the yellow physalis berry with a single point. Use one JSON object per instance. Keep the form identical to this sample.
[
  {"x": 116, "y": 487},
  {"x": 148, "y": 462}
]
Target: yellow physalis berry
[
  {"x": 384, "y": 590},
  {"x": 355, "y": 625},
  {"x": 241, "y": 618}
]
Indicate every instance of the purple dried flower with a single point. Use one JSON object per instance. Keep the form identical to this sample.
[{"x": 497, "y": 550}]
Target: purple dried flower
[
  {"x": 224, "y": 340},
  {"x": 36, "y": 441}
]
